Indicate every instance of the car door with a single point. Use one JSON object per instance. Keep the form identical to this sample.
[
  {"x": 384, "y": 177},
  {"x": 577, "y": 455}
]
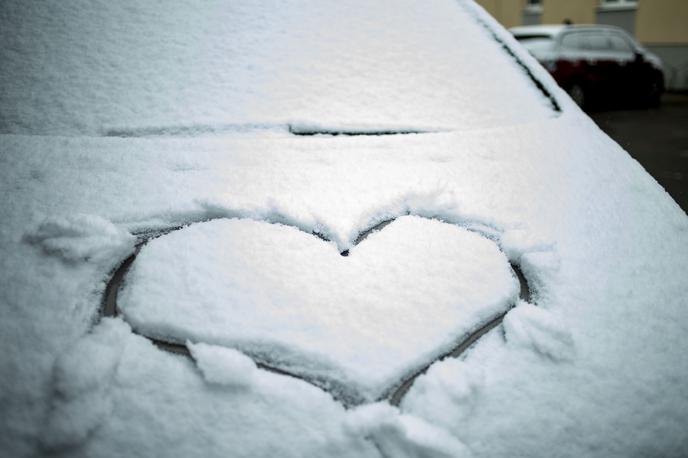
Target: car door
[
  {"x": 587, "y": 54},
  {"x": 572, "y": 63},
  {"x": 626, "y": 73},
  {"x": 602, "y": 63}
]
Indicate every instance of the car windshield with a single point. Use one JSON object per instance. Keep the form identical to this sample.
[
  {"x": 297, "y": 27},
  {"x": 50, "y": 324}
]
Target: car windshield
[
  {"x": 536, "y": 43},
  {"x": 253, "y": 64}
]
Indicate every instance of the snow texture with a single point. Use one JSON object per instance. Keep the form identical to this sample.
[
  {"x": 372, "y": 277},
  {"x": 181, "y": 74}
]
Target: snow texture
[
  {"x": 401, "y": 435},
  {"x": 450, "y": 382},
  {"x": 539, "y": 330},
  {"x": 81, "y": 237},
  {"x": 154, "y": 116},
  {"x": 81, "y": 382},
  {"x": 156, "y": 401},
  {"x": 133, "y": 68},
  {"x": 223, "y": 366},
  {"x": 411, "y": 291}
]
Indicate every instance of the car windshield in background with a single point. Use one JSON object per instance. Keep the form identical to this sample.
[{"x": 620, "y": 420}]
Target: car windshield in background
[
  {"x": 536, "y": 43},
  {"x": 245, "y": 64}
]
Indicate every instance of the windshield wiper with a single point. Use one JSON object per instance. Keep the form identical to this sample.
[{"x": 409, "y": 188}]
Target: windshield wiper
[{"x": 298, "y": 129}]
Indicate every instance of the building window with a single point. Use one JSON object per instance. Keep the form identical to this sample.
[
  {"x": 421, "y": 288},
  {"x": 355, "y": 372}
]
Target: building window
[
  {"x": 611, "y": 4},
  {"x": 533, "y": 6}
]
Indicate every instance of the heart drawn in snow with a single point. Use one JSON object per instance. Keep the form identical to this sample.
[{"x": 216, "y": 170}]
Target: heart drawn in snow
[{"x": 355, "y": 325}]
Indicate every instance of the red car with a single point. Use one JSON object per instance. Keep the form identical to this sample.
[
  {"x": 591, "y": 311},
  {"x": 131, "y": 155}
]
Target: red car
[{"x": 596, "y": 64}]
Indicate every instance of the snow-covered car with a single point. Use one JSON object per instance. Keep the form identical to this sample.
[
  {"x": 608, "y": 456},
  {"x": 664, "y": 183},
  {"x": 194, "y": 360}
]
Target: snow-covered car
[
  {"x": 317, "y": 229},
  {"x": 596, "y": 63}
]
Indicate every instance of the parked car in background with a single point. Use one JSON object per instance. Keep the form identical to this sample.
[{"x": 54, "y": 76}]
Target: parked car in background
[{"x": 596, "y": 64}]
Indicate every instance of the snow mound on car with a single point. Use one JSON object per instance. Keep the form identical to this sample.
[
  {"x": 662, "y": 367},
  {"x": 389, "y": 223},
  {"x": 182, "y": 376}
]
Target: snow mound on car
[
  {"x": 82, "y": 382},
  {"x": 404, "y": 295},
  {"x": 81, "y": 237},
  {"x": 539, "y": 330},
  {"x": 223, "y": 366},
  {"x": 402, "y": 435}
]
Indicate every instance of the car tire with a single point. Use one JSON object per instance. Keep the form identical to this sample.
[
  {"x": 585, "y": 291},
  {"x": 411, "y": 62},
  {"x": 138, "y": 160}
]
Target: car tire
[
  {"x": 653, "y": 98},
  {"x": 578, "y": 95}
]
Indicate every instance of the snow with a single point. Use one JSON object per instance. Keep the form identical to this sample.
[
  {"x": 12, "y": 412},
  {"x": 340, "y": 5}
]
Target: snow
[
  {"x": 450, "y": 388},
  {"x": 91, "y": 68},
  {"x": 540, "y": 41},
  {"x": 539, "y": 330},
  {"x": 143, "y": 401},
  {"x": 560, "y": 214},
  {"x": 76, "y": 237},
  {"x": 594, "y": 366},
  {"x": 223, "y": 366},
  {"x": 402, "y": 435},
  {"x": 291, "y": 300},
  {"x": 538, "y": 30},
  {"x": 82, "y": 399}
]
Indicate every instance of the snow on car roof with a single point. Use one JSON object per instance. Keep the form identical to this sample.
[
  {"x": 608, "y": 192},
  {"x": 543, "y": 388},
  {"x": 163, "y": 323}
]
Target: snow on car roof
[
  {"x": 550, "y": 30},
  {"x": 555, "y": 29}
]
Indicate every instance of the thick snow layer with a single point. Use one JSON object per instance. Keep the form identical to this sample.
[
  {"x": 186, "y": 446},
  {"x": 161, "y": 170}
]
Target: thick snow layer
[
  {"x": 129, "y": 399},
  {"x": 223, "y": 366},
  {"x": 82, "y": 379},
  {"x": 539, "y": 330},
  {"x": 410, "y": 291},
  {"x": 134, "y": 68},
  {"x": 76, "y": 237},
  {"x": 605, "y": 251},
  {"x": 402, "y": 435},
  {"x": 593, "y": 366}
]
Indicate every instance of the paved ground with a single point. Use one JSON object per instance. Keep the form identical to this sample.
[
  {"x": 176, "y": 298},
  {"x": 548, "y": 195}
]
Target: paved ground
[{"x": 657, "y": 138}]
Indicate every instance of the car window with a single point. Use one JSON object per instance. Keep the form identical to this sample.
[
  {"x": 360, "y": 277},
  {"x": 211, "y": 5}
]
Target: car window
[
  {"x": 572, "y": 41},
  {"x": 535, "y": 43},
  {"x": 587, "y": 41},
  {"x": 596, "y": 41},
  {"x": 620, "y": 44}
]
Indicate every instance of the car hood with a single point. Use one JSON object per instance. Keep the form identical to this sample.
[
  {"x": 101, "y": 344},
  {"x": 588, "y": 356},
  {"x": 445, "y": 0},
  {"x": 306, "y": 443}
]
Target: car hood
[
  {"x": 513, "y": 176},
  {"x": 597, "y": 238}
]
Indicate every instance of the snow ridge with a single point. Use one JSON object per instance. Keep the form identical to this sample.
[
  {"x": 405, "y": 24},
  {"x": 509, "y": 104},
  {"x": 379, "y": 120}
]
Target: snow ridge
[{"x": 265, "y": 359}]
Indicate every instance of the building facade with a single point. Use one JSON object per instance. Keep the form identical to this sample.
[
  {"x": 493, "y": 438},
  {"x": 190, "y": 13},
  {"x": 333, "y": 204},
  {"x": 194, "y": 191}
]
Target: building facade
[{"x": 660, "y": 25}]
